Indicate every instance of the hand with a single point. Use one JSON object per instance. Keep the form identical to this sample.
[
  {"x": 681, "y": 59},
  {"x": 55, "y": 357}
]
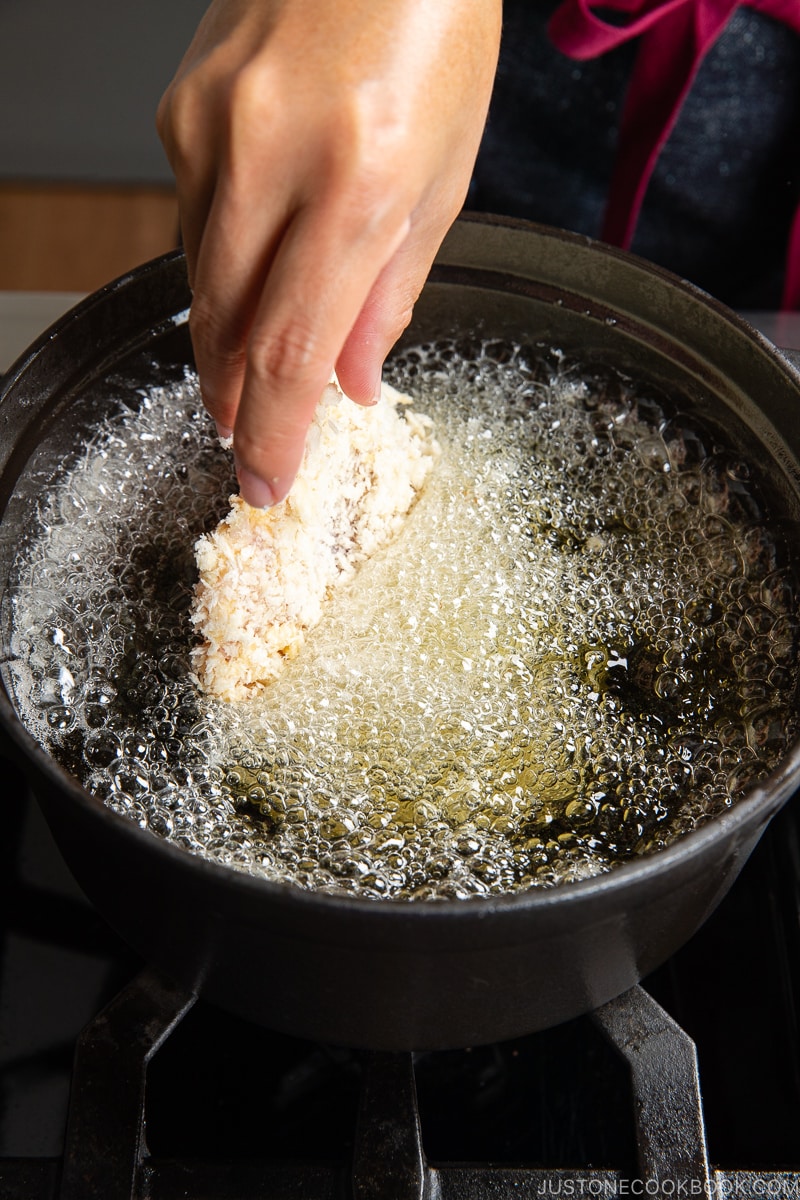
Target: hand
[{"x": 321, "y": 149}]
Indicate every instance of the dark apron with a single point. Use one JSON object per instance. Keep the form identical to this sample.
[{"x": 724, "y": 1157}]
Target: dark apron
[{"x": 720, "y": 203}]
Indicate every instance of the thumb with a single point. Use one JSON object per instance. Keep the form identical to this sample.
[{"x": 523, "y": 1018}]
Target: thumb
[{"x": 387, "y": 311}]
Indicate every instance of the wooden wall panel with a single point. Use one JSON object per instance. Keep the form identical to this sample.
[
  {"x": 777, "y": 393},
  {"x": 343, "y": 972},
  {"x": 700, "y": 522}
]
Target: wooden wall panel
[{"x": 75, "y": 239}]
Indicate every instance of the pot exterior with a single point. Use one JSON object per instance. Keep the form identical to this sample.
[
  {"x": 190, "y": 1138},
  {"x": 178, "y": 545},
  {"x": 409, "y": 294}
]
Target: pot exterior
[{"x": 387, "y": 975}]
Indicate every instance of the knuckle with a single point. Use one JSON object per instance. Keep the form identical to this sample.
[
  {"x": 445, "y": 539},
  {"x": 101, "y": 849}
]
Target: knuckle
[
  {"x": 249, "y": 92},
  {"x": 177, "y": 119},
  {"x": 285, "y": 355},
  {"x": 250, "y": 107},
  {"x": 401, "y": 319},
  {"x": 363, "y": 162},
  {"x": 396, "y": 315}
]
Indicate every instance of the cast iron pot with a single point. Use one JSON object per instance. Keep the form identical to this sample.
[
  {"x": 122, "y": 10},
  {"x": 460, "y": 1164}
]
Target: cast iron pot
[{"x": 388, "y": 974}]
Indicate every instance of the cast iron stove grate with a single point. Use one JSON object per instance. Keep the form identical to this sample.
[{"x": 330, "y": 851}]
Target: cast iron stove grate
[
  {"x": 147, "y": 1104},
  {"x": 106, "y": 1157}
]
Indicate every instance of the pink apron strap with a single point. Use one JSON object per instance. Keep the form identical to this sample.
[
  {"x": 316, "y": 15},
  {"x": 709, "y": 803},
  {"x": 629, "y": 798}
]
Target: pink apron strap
[{"x": 675, "y": 37}]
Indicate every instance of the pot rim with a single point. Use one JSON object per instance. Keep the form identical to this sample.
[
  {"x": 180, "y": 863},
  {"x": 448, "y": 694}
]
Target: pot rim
[{"x": 755, "y": 808}]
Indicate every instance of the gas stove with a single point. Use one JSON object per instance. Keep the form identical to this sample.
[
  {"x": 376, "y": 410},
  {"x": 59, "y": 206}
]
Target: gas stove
[{"x": 114, "y": 1083}]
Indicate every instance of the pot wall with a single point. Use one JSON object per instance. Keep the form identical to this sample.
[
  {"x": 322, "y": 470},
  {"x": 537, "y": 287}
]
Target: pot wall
[{"x": 383, "y": 974}]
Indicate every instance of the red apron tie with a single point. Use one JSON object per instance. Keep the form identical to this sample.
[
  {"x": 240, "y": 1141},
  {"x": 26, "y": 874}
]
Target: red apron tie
[{"x": 675, "y": 37}]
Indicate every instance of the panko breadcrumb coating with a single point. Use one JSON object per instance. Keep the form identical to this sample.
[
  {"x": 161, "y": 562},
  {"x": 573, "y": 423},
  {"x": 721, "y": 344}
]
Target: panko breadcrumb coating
[{"x": 265, "y": 574}]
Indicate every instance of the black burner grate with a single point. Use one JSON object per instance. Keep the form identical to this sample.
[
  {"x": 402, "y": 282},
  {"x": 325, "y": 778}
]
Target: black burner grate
[
  {"x": 171, "y": 1098},
  {"x": 106, "y": 1155}
]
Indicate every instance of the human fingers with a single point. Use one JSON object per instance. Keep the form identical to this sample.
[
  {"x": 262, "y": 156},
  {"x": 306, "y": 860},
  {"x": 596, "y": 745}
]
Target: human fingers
[
  {"x": 389, "y": 308},
  {"x": 238, "y": 241},
  {"x": 321, "y": 274},
  {"x": 283, "y": 117}
]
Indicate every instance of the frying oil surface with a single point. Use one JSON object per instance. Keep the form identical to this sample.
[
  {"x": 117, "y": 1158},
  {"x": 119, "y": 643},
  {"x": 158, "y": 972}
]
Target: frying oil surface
[{"x": 583, "y": 644}]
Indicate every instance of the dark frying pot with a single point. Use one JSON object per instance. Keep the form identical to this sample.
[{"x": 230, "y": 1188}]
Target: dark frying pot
[{"x": 384, "y": 974}]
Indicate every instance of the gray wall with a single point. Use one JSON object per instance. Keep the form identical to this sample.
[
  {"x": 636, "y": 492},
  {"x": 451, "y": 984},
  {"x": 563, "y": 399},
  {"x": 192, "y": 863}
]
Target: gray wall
[{"x": 79, "y": 84}]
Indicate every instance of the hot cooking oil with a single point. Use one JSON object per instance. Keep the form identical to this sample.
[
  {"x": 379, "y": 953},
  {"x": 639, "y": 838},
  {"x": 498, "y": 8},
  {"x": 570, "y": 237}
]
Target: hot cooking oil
[{"x": 582, "y": 645}]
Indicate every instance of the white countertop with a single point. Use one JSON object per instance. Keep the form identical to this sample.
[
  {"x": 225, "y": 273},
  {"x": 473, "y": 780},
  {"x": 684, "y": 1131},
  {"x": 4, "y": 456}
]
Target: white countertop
[{"x": 24, "y": 315}]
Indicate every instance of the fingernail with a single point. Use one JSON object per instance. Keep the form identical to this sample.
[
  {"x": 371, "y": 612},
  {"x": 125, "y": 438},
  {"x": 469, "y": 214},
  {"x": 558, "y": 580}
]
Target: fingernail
[
  {"x": 376, "y": 395},
  {"x": 255, "y": 492},
  {"x": 223, "y": 432}
]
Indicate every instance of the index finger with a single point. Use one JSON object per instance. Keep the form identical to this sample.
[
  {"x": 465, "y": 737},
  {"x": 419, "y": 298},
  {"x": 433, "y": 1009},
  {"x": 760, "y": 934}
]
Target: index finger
[{"x": 317, "y": 284}]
